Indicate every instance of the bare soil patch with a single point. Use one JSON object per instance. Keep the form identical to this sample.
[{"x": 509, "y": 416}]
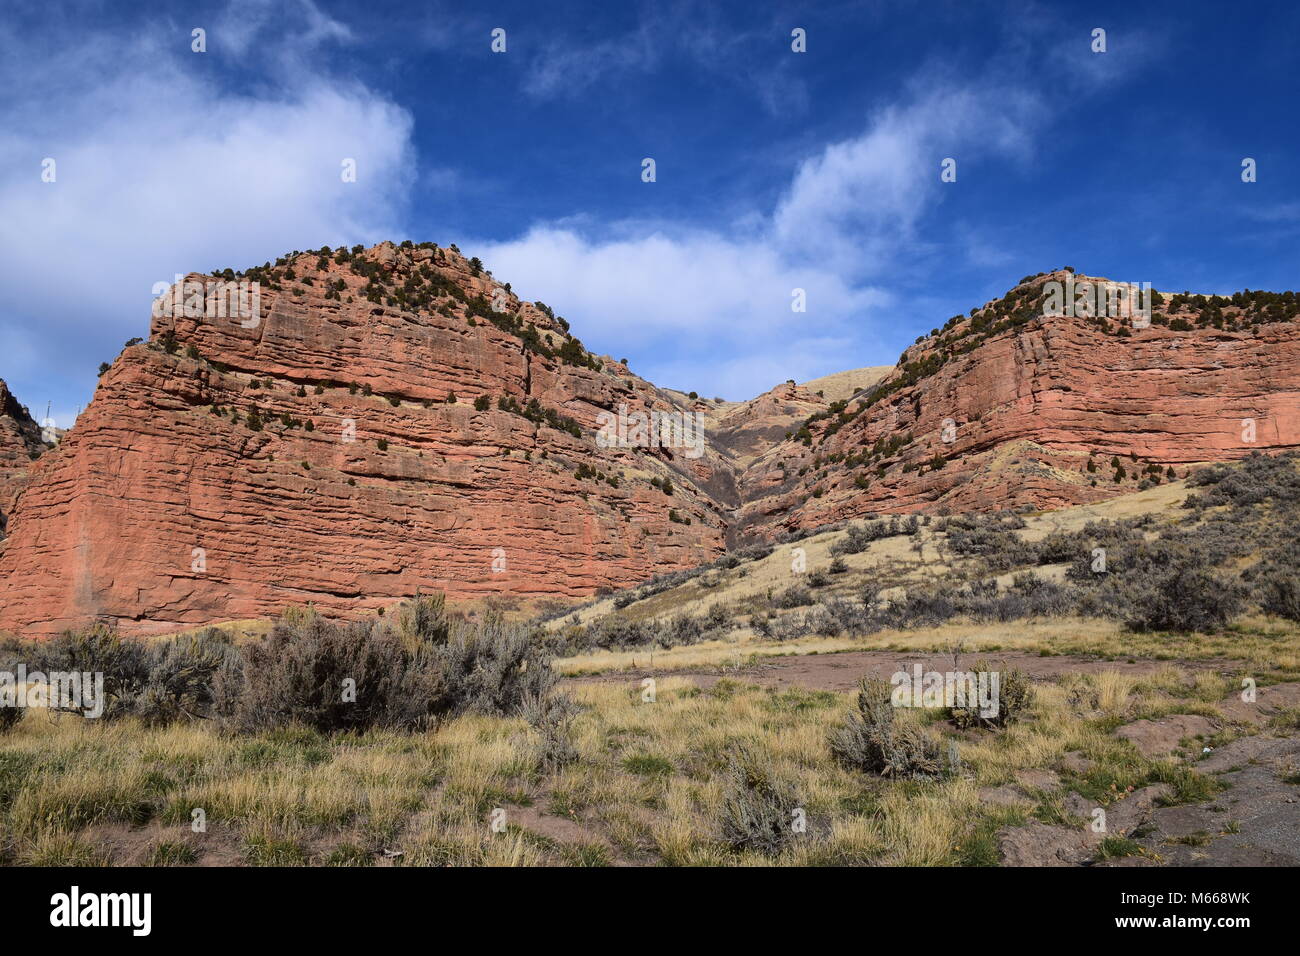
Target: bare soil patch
[{"x": 842, "y": 671}]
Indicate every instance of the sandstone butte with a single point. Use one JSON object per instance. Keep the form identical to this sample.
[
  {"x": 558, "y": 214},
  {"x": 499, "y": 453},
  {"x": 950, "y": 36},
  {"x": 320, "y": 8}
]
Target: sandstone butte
[{"x": 381, "y": 428}]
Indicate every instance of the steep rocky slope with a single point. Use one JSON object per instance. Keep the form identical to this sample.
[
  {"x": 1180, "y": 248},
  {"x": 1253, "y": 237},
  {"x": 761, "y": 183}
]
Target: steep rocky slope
[
  {"x": 380, "y": 428},
  {"x": 1005, "y": 408}
]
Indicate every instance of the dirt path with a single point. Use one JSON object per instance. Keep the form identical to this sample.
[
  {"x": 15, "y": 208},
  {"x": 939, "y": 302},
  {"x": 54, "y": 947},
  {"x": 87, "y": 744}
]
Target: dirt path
[{"x": 842, "y": 671}]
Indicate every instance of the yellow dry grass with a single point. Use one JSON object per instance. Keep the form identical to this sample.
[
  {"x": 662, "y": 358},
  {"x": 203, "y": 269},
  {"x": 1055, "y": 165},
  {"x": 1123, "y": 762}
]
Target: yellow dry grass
[
  {"x": 648, "y": 785},
  {"x": 842, "y": 385}
]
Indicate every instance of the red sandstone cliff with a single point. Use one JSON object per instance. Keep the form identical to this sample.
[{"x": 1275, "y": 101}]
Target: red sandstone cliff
[
  {"x": 225, "y": 471},
  {"x": 1027, "y": 401},
  {"x": 227, "y": 468}
]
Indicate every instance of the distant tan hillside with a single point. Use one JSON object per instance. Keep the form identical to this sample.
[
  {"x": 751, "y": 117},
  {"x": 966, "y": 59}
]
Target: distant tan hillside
[{"x": 843, "y": 385}]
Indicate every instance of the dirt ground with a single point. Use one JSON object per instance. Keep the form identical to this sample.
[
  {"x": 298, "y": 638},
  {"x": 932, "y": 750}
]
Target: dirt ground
[{"x": 842, "y": 671}]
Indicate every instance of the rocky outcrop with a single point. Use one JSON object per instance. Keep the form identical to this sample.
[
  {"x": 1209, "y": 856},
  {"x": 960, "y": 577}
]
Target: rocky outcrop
[
  {"x": 20, "y": 445},
  {"x": 745, "y": 430},
  {"x": 345, "y": 451},
  {"x": 1007, "y": 408}
]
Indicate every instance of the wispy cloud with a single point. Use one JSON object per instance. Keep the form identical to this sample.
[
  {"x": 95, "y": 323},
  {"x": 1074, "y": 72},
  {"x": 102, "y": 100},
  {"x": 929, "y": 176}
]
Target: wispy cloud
[
  {"x": 567, "y": 65},
  {"x": 840, "y": 231},
  {"x": 848, "y": 227}
]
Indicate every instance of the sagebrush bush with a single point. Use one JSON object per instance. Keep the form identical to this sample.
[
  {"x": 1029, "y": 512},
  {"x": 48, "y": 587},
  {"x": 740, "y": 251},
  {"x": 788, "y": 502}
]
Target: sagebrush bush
[
  {"x": 1253, "y": 480},
  {"x": 423, "y": 619},
  {"x": 334, "y": 676},
  {"x": 194, "y": 676},
  {"x": 872, "y": 741},
  {"x": 758, "y": 808},
  {"x": 327, "y": 675},
  {"x": 98, "y": 649},
  {"x": 190, "y": 676},
  {"x": 718, "y": 616},
  {"x": 1278, "y": 592},
  {"x": 551, "y": 716},
  {"x": 683, "y": 629},
  {"x": 846, "y": 616},
  {"x": 790, "y": 627},
  {"x": 1184, "y": 598},
  {"x": 614, "y": 630},
  {"x": 858, "y": 537},
  {"x": 796, "y": 595},
  {"x": 490, "y": 667}
]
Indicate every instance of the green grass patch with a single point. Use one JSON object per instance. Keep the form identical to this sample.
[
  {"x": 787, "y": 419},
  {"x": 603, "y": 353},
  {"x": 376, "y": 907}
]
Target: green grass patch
[{"x": 646, "y": 765}]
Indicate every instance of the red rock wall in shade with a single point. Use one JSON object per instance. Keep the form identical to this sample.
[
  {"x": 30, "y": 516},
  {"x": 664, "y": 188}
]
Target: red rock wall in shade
[{"x": 20, "y": 445}]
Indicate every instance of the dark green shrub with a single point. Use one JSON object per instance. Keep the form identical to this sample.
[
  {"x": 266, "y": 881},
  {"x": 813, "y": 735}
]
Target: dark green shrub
[{"x": 1014, "y": 699}]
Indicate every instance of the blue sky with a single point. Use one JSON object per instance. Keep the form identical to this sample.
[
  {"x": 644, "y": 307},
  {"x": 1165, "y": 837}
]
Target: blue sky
[{"x": 775, "y": 170}]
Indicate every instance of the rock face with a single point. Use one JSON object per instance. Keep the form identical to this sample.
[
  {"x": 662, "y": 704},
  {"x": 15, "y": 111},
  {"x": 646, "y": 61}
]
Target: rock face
[
  {"x": 333, "y": 451},
  {"x": 746, "y": 430},
  {"x": 394, "y": 419},
  {"x": 1007, "y": 408},
  {"x": 20, "y": 445}
]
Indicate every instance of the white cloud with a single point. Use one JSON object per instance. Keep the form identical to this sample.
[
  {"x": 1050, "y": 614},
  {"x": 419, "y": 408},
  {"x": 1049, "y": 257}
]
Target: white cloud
[
  {"x": 160, "y": 170},
  {"x": 567, "y": 65},
  {"x": 246, "y": 22},
  {"x": 843, "y": 230},
  {"x": 567, "y": 68},
  {"x": 856, "y": 204},
  {"x": 699, "y": 304}
]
